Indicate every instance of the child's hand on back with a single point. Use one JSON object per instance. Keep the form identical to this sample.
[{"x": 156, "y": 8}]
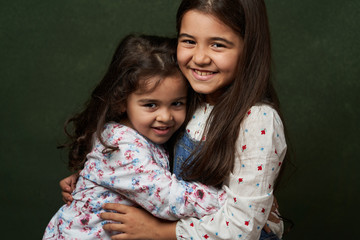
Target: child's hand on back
[{"x": 67, "y": 186}]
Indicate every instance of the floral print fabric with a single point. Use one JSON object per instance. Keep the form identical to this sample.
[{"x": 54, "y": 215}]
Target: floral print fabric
[{"x": 136, "y": 174}]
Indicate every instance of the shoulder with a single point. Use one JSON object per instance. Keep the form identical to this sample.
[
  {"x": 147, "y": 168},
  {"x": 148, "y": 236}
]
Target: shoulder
[
  {"x": 262, "y": 114},
  {"x": 116, "y": 134}
]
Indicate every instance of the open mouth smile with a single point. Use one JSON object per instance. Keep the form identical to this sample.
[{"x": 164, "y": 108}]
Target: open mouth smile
[
  {"x": 161, "y": 130},
  {"x": 203, "y": 73}
]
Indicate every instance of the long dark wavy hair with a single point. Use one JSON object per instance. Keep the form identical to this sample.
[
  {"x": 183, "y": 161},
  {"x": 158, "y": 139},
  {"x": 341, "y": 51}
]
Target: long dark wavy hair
[
  {"x": 136, "y": 58},
  {"x": 213, "y": 162}
]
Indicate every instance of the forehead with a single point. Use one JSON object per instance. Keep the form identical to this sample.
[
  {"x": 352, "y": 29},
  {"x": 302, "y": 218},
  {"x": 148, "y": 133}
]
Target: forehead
[
  {"x": 200, "y": 22},
  {"x": 149, "y": 85}
]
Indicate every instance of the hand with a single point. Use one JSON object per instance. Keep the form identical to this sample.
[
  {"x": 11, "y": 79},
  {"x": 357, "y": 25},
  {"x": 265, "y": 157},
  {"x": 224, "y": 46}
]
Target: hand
[
  {"x": 135, "y": 223},
  {"x": 67, "y": 186},
  {"x": 273, "y": 215}
]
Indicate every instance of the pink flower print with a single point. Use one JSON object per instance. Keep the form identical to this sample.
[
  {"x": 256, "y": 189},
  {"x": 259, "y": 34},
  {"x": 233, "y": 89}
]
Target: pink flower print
[
  {"x": 112, "y": 170},
  {"x": 100, "y": 173},
  {"x": 139, "y": 169},
  {"x": 138, "y": 143},
  {"x": 129, "y": 155},
  {"x": 97, "y": 234},
  {"x": 159, "y": 153},
  {"x": 92, "y": 166},
  {"x": 85, "y": 220},
  {"x": 70, "y": 225},
  {"x": 86, "y": 229},
  {"x": 199, "y": 194},
  {"x": 157, "y": 194}
]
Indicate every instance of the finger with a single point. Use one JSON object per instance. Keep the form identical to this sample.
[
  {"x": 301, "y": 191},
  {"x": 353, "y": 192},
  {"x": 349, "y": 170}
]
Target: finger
[
  {"x": 73, "y": 184},
  {"x": 65, "y": 186},
  {"x": 267, "y": 229},
  {"x": 116, "y": 217},
  {"x": 275, "y": 203},
  {"x": 121, "y": 236},
  {"x": 120, "y": 208},
  {"x": 273, "y": 218},
  {"x": 117, "y": 227}
]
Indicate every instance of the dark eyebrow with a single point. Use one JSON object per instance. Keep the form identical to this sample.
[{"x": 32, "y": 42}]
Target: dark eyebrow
[
  {"x": 145, "y": 101},
  {"x": 184, "y": 35},
  {"x": 180, "y": 98},
  {"x": 148, "y": 100}
]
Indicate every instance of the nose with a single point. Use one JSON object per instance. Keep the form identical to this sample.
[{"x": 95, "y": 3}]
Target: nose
[
  {"x": 201, "y": 56},
  {"x": 165, "y": 116}
]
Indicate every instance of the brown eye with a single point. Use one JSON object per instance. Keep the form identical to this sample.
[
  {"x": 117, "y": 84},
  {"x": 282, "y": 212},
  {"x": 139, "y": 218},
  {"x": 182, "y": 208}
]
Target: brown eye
[{"x": 150, "y": 105}]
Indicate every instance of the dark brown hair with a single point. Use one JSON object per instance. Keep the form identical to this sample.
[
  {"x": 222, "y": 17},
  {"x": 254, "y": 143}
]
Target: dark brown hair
[
  {"x": 214, "y": 161},
  {"x": 136, "y": 58}
]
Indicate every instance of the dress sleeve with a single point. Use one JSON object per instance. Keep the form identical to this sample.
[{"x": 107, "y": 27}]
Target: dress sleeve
[
  {"x": 261, "y": 148},
  {"x": 133, "y": 172}
]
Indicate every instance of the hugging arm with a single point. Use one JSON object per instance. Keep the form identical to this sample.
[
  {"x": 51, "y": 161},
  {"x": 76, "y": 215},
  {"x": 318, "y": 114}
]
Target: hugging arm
[{"x": 134, "y": 172}]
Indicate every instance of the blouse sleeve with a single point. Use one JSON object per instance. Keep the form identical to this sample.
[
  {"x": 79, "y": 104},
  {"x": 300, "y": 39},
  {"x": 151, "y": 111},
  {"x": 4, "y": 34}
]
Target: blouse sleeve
[
  {"x": 132, "y": 172},
  {"x": 261, "y": 148}
]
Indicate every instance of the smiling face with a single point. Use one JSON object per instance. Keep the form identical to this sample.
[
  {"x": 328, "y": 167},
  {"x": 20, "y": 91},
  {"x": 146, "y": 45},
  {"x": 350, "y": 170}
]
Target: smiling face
[
  {"x": 208, "y": 53},
  {"x": 158, "y": 110}
]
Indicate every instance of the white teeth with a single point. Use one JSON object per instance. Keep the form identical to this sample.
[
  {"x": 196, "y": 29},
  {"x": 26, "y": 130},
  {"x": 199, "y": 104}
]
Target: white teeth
[
  {"x": 162, "y": 128},
  {"x": 203, "y": 73}
]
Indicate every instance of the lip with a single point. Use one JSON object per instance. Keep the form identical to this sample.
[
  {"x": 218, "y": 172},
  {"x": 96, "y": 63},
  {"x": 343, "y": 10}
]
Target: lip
[
  {"x": 161, "y": 130},
  {"x": 202, "y": 75}
]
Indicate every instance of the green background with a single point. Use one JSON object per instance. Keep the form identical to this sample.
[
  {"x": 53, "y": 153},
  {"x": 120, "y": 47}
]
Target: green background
[{"x": 54, "y": 52}]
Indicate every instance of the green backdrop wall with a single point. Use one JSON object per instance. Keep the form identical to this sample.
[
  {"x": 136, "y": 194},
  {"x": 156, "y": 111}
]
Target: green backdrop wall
[{"x": 53, "y": 53}]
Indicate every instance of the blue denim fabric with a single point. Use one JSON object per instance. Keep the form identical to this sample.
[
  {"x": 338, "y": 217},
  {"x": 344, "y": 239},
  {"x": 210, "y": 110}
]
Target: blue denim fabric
[
  {"x": 268, "y": 236},
  {"x": 184, "y": 147}
]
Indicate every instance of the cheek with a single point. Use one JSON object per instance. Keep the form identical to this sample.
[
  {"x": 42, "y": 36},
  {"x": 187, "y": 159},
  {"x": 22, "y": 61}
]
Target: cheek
[
  {"x": 181, "y": 117},
  {"x": 183, "y": 57}
]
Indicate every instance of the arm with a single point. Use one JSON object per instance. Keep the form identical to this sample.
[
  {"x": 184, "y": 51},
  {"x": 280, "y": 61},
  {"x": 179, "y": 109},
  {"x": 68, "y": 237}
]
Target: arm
[
  {"x": 133, "y": 172},
  {"x": 137, "y": 224},
  {"x": 261, "y": 150}
]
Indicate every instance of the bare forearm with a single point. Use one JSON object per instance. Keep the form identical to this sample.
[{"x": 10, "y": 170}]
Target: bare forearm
[
  {"x": 165, "y": 231},
  {"x": 135, "y": 223}
]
